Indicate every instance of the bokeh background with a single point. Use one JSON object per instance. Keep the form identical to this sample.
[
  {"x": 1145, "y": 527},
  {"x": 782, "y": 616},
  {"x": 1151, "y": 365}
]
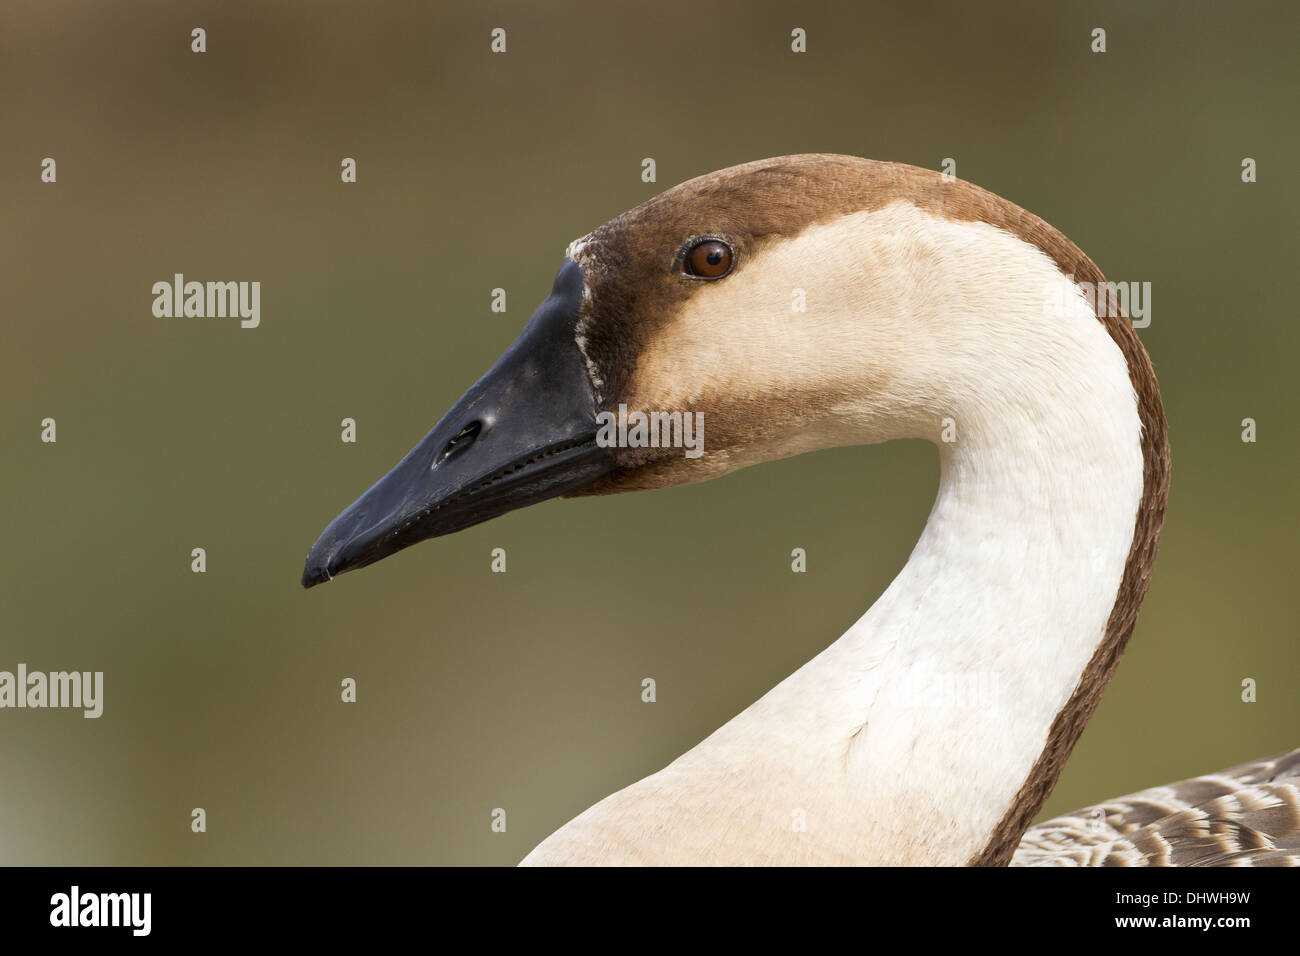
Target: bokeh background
[{"x": 521, "y": 690}]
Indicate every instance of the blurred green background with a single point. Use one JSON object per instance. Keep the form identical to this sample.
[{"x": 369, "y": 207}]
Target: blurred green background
[{"x": 521, "y": 690}]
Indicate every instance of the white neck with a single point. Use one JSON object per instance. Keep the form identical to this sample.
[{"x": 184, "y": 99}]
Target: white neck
[{"x": 908, "y": 739}]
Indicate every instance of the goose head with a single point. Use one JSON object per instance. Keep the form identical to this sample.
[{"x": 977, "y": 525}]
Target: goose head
[
  {"x": 801, "y": 303},
  {"x": 781, "y": 306}
]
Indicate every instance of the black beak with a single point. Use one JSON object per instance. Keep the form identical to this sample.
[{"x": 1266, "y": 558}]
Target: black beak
[{"x": 525, "y": 432}]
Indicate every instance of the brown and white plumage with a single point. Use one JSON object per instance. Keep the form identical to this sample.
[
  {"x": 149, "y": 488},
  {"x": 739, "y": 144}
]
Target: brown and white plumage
[
  {"x": 935, "y": 310},
  {"x": 1247, "y": 815}
]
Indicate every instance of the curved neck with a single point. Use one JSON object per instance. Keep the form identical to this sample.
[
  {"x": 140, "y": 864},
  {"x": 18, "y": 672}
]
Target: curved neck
[
  {"x": 911, "y": 738},
  {"x": 959, "y": 671}
]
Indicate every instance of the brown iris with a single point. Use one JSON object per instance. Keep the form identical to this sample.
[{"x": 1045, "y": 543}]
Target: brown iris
[{"x": 708, "y": 259}]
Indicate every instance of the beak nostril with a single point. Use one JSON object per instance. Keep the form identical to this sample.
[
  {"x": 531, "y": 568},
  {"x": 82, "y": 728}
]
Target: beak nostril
[{"x": 459, "y": 442}]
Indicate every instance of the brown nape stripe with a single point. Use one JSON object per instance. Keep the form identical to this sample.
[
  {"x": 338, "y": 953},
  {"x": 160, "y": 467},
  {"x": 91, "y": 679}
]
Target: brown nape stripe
[
  {"x": 963, "y": 201},
  {"x": 1079, "y": 708},
  {"x": 966, "y": 202},
  {"x": 772, "y": 199}
]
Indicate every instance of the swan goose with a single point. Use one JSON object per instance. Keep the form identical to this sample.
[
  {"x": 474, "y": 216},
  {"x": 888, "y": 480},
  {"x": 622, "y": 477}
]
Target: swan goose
[{"x": 930, "y": 303}]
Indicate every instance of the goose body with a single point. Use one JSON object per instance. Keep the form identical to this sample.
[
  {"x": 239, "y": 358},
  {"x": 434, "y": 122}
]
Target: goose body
[{"x": 933, "y": 730}]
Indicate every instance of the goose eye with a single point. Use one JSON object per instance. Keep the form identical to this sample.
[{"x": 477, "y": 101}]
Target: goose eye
[{"x": 708, "y": 259}]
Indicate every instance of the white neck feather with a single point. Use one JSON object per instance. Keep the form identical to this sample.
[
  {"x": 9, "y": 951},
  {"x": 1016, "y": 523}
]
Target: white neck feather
[{"x": 908, "y": 738}]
